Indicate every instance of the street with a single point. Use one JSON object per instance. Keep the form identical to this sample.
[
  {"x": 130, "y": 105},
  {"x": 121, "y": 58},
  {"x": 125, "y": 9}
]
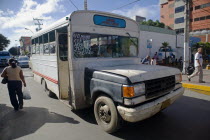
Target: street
[{"x": 44, "y": 118}]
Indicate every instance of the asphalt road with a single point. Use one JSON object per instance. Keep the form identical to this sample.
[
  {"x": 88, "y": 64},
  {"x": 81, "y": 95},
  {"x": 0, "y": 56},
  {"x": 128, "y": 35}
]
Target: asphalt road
[{"x": 44, "y": 118}]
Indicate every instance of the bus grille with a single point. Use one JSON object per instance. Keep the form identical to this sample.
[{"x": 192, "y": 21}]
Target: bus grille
[{"x": 158, "y": 87}]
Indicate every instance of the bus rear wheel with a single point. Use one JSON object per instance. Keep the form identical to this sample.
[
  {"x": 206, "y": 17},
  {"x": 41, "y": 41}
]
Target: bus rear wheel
[
  {"x": 46, "y": 90},
  {"x": 106, "y": 114}
]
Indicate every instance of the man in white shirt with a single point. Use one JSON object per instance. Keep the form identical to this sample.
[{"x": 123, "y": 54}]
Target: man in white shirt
[{"x": 198, "y": 66}]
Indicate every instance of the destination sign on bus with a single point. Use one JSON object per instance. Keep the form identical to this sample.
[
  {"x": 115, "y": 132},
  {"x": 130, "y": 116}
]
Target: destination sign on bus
[{"x": 109, "y": 21}]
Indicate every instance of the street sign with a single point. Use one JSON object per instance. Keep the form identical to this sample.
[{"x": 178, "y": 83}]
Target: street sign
[
  {"x": 109, "y": 21},
  {"x": 149, "y": 43}
]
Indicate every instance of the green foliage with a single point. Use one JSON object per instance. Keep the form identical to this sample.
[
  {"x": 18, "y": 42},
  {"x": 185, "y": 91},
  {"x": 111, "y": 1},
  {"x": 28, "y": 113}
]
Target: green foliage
[
  {"x": 4, "y": 42},
  {"x": 165, "y": 44},
  {"x": 153, "y": 23},
  {"x": 14, "y": 51},
  {"x": 204, "y": 45},
  {"x": 26, "y": 52}
]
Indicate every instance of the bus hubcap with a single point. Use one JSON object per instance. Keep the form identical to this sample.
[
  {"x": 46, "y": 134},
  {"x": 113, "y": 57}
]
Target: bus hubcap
[{"x": 104, "y": 113}]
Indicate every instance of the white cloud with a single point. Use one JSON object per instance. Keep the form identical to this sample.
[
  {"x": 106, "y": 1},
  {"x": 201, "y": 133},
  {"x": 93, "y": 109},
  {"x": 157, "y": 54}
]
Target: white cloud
[
  {"x": 30, "y": 9},
  {"x": 150, "y": 12},
  {"x": 15, "y": 22}
]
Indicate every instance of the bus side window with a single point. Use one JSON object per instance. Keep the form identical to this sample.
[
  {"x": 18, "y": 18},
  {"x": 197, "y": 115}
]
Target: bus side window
[
  {"x": 46, "y": 49},
  {"x": 34, "y": 49},
  {"x": 52, "y": 48},
  {"x": 37, "y": 49},
  {"x": 41, "y": 48},
  {"x": 63, "y": 47}
]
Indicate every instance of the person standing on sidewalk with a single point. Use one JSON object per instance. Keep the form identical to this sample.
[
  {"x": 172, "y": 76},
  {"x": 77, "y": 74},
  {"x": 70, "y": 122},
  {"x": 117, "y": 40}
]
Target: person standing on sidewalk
[
  {"x": 198, "y": 66},
  {"x": 15, "y": 76}
]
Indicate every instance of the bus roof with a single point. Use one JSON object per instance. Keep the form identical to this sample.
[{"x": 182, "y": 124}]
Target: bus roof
[{"x": 64, "y": 22}]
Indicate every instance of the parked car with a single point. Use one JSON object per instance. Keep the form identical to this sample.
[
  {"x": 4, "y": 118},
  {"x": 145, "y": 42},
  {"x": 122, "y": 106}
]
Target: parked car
[
  {"x": 4, "y": 57},
  {"x": 23, "y": 61}
]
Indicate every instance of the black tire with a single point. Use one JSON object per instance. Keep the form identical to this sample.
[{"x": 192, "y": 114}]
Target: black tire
[
  {"x": 109, "y": 120},
  {"x": 47, "y": 91}
]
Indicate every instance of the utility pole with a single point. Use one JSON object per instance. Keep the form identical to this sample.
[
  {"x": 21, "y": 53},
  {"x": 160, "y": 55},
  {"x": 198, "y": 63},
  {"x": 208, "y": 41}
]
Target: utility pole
[
  {"x": 186, "y": 37},
  {"x": 38, "y": 23},
  {"x": 85, "y": 4}
]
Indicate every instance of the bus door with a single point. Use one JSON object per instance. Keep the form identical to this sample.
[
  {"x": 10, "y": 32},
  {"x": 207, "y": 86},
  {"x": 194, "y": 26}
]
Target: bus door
[{"x": 63, "y": 66}]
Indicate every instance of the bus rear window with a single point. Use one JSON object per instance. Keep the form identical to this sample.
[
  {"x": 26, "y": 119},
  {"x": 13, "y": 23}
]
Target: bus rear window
[{"x": 96, "y": 45}]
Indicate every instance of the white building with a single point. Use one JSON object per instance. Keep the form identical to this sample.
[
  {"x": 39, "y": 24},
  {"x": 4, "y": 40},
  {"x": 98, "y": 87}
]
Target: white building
[{"x": 158, "y": 36}]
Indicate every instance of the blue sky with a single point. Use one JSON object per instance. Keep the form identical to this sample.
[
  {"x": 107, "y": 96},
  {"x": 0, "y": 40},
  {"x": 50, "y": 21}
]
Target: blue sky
[{"x": 15, "y": 15}]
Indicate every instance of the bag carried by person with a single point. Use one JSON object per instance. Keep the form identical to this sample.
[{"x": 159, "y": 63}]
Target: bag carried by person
[
  {"x": 190, "y": 69},
  {"x": 26, "y": 94},
  {"x": 4, "y": 80}
]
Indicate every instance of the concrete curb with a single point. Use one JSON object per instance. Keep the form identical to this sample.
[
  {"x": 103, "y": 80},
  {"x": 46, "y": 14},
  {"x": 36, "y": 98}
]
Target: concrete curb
[{"x": 197, "y": 87}]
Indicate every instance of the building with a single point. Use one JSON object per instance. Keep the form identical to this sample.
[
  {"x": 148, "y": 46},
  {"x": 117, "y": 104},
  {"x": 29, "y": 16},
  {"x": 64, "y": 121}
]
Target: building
[
  {"x": 172, "y": 14},
  {"x": 25, "y": 44},
  {"x": 158, "y": 36},
  {"x": 140, "y": 19}
]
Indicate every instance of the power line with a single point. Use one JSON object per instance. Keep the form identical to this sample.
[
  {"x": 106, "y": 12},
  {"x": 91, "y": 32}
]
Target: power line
[
  {"x": 73, "y": 4},
  {"x": 127, "y": 4}
]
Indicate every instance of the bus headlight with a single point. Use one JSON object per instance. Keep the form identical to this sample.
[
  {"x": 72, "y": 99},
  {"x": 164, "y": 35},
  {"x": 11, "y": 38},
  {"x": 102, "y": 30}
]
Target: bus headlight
[
  {"x": 139, "y": 89},
  {"x": 132, "y": 91},
  {"x": 178, "y": 78}
]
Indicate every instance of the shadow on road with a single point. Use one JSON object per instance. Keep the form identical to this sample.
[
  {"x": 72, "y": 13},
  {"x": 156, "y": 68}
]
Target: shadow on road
[
  {"x": 18, "y": 124},
  {"x": 188, "y": 118},
  {"x": 86, "y": 114}
]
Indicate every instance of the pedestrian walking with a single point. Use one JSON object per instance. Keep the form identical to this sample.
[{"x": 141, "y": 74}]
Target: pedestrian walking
[
  {"x": 198, "y": 62},
  {"x": 14, "y": 85}
]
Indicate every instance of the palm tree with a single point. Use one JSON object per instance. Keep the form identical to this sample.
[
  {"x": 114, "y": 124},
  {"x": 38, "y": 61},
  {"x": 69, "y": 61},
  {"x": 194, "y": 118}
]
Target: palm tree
[{"x": 165, "y": 47}]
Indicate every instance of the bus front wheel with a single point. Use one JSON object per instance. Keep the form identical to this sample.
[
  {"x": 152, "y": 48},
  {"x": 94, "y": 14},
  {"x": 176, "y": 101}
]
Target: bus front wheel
[{"x": 106, "y": 114}]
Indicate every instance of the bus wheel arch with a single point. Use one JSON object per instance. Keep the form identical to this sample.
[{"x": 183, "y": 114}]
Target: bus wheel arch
[{"x": 46, "y": 89}]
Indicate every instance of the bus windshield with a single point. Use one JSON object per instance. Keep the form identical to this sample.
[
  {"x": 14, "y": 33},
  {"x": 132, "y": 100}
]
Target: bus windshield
[{"x": 97, "y": 45}]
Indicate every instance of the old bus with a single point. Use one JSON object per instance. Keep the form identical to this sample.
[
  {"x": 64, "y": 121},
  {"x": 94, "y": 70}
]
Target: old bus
[{"x": 92, "y": 58}]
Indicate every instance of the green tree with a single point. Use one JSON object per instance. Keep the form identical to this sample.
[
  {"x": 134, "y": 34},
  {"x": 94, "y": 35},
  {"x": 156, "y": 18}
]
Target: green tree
[
  {"x": 14, "y": 51},
  {"x": 4, "y": 42},
  {"x": 165, "y": 46},
  {"x": 204, "y": 45},
  {"x": 150, "y": 22}
]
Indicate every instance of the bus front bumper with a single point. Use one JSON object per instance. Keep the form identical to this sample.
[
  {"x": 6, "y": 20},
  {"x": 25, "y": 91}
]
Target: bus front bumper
[{"x": 149, "y": 109}]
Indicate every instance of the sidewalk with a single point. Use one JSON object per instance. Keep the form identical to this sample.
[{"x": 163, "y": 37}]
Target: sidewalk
[{"x": 193, "y": 84}]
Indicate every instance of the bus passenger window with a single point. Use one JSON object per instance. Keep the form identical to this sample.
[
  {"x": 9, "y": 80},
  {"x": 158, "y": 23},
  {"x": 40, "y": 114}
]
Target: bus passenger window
[
  {"x": 52, "y": 36},
  {"x": 34, "y": 49},
  {"x": 37, "y": 49},
  {"x": 52, "y": 48},
  {"x": 63, "y": 47},
  {"x": 46, "y": 49},
  {"x": 40, "y": 40},
  {"x": 45, "y": 37},
  {"x": 41, "y": 48}
]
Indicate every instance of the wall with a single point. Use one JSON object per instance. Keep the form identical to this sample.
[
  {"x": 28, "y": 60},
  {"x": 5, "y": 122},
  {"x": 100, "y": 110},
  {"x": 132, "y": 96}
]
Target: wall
[
  {"x": 157, "y": 40},
  {"x": 179, "y": 15},
  {"x": 203, "y": 24},
  {"x": 167, "y": 13},
  {"x": 203, "y": 38}
]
